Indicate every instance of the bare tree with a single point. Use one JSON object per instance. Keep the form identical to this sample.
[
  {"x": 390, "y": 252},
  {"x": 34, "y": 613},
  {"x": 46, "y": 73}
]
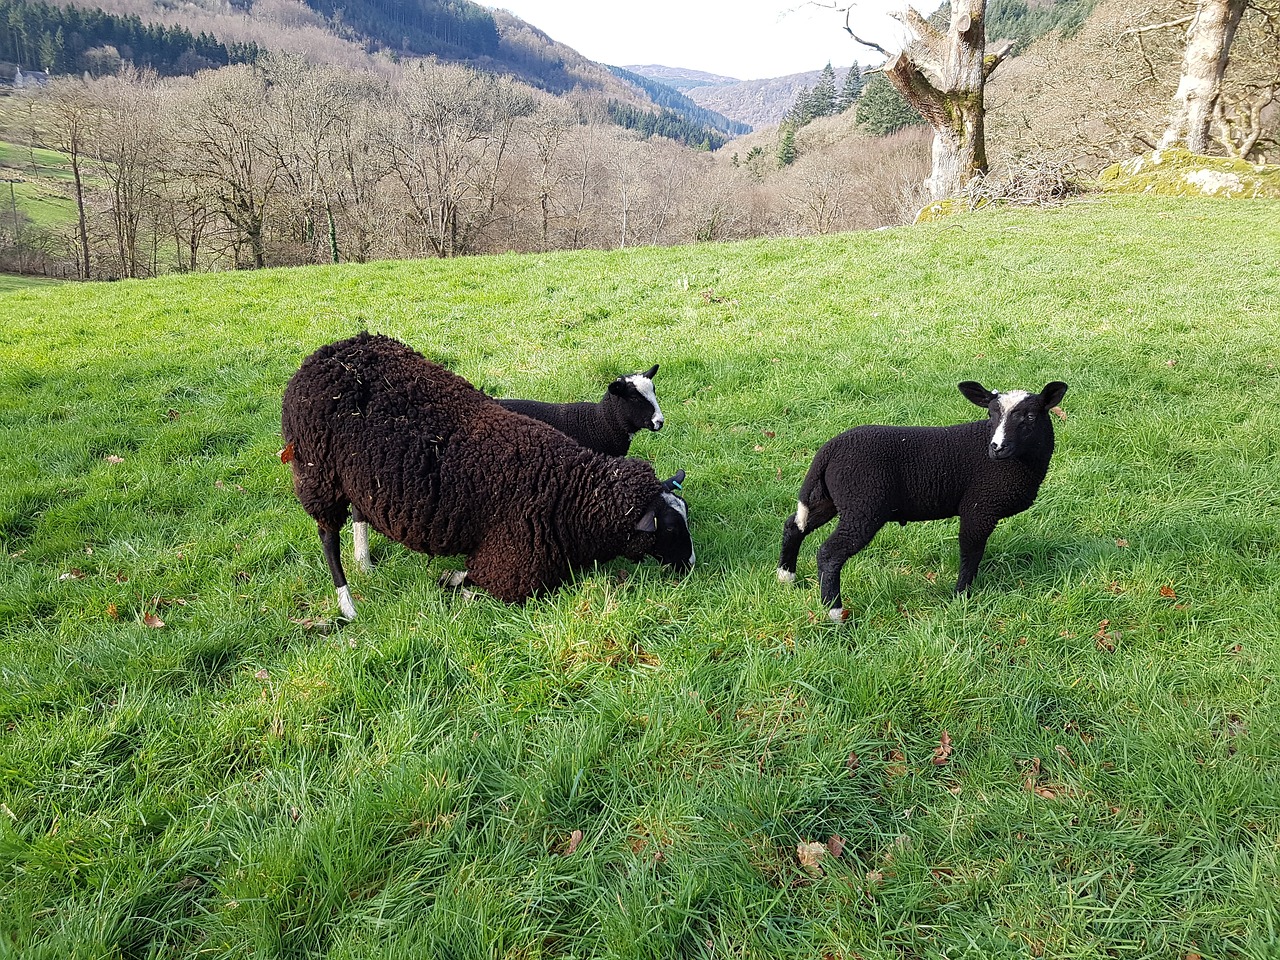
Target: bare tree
[
  {"x": 448, "y": 145},
  {"x": 943, "y": 76},
  {"x": 1103, "y": 94},
  {"x": 1213, "y": 27},
  {"x": 128, "y": 157},
  {"x": 228, "y": 151},
  {"x": 68, "y": 117}
]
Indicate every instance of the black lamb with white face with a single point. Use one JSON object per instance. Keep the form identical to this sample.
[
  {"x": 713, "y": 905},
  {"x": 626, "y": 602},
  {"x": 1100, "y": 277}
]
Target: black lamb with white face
[
  {"x": 627, "y": 407},
  {"x": 374, "y": 428},
  {"x": 981, "y": 472}
]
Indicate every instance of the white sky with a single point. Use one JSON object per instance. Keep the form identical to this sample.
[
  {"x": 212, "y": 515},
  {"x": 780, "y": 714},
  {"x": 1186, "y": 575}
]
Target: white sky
[{"x": 744, "y": 39}]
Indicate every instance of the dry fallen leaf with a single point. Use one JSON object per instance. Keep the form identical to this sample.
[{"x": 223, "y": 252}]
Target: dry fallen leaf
[
  {"x": 75, "y": 573},
  {"x": 942, "y": 753},
  {"x": 112, "y": 458},
  {"x": 897, "y": 766},
  {"x": 757, "y": 448},
  {"x": 1106, "y": 639},
  {"x": 287, "y": 453},
  {"x": 874, "y": 876},
  {"x": 575, "y": 838},
  {"x": 311, "y": 623},
  {"x": 852, "y": 762},
  {"x": 835, "y": 845},
  {"x": 153, "y": 621},
  {"x": 113, "y": 611},
  {"x": 1122, "y": 543},
  {"x": 810, "y": 856},
  {"x": 1058, "y": 412},
  {"x": 262, "y": 674},
  {"x": 1168, "y": 593}
]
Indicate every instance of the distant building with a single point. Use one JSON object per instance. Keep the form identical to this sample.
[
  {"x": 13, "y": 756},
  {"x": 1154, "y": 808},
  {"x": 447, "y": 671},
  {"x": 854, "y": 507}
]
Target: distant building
[{"x": 30, "y": 78}]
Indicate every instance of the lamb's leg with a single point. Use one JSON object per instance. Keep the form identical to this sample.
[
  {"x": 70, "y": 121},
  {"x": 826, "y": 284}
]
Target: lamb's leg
[
  {"x": 331, "y": 543},
  {"x": 851, "y": 535},
  {"x": 360, "y": 539},
  {"x": 974, "y": 533},
  {"x": 798, "y": 526},
  {"x": 456, "y": 580}
]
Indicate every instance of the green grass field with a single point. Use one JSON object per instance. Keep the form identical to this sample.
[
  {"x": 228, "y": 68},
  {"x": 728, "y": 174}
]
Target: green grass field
[
  {"x": 41, "y": 187},
  {"x": 628, "y": 767}
]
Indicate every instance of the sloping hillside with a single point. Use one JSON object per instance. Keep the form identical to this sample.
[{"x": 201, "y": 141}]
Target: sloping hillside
[{"x": 757, "y": 102}]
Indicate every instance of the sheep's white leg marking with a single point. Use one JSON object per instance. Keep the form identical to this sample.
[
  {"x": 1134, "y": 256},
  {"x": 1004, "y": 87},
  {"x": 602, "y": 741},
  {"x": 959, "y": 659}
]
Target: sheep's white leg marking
[
  {"x": 838, "y": 614},
  {"x": 360, "y": 537},
  {"x": 802, "y": 516},
  {"x": 786, "y": 576},
  {"x": 1008, "y": 401},
  {"x": 645, "y": 387},
  {"x": 344, "y": 603}
]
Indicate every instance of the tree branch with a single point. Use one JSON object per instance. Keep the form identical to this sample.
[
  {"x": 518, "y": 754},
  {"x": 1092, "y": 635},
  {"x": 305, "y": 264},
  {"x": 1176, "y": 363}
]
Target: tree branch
[
  {"x": 871, "y": 44},
  {"x": 993, "y": 58},
  {"x": 1158, "y": 26},
  {"x": 913, "y": 21}
]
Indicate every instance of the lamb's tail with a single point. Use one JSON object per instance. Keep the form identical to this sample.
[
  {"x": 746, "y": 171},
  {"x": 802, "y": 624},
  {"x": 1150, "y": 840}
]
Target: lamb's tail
[{"x": 814, "y": 505}]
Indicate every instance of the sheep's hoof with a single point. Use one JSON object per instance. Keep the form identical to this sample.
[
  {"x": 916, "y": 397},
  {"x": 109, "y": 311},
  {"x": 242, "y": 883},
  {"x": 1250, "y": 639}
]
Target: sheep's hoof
[
  {"x": 345, "y": 604},
  {"x": 838, "y": 614},
  {"x": 786, "y": 576},
  {"x": 453, "y": 579}
]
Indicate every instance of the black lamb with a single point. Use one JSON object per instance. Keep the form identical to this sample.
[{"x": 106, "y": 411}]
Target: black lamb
[
  {"x": 372, "y": 426},
  {"x": 628, "y": 406},
  {"x": 868, "y": 476}
]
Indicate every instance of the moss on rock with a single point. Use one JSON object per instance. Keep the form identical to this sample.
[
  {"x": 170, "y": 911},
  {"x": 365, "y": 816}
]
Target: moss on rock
[
  {"x": 940, "y": 209},
  {"x": 1180, "y": 173}
]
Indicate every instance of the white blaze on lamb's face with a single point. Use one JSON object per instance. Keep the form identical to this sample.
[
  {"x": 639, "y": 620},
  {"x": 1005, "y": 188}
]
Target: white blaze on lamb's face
[
  {"x": 644, "y": 386},
  {"x": 1006, "y": 404}
]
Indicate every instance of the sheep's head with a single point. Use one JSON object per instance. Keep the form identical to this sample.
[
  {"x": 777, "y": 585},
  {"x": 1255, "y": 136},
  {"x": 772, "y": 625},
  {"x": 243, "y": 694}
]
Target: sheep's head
[
  {"x": 1019, "y": 421},
  {"x": 638, "y": 400},
  {"x": 667, "y": 518}
]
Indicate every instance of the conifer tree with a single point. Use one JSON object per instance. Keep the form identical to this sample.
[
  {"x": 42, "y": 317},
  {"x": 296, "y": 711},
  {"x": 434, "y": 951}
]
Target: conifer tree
[
  {"x": 882, "y": 109},
  {"x": 853, "y": 84},
  {"x": 822, "y": 102},
  {"x": 787, "y": 147},
  {"x": 801, "y": 111}
]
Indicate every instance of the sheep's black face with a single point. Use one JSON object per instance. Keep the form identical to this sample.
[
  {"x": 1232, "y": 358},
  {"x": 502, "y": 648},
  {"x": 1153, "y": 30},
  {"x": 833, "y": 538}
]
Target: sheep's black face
[
  {"x": 668, "y": 520},
  {"x": 639, "y": 400},
  {"x": 673, "y": 545},
  {"x": 1018, "y": 420}
]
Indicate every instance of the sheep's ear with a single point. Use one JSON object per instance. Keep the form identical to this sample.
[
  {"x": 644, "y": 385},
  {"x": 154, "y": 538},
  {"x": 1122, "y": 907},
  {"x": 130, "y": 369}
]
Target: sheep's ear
[
  {"x": 651, "y": 371},
  {"x": 649, "y": 522},
  {"x": 673, "y": 483},
  {"x": 619, "y": 387},
  {"x": 1052, "y": 393},
  {"x": 976, "y": 393}
]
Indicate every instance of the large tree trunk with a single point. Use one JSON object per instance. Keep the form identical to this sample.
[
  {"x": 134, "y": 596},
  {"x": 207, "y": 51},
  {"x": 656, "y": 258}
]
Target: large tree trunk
[
  {"x": 942, "y": 75},
  {"x": 1203, "y": 64}
]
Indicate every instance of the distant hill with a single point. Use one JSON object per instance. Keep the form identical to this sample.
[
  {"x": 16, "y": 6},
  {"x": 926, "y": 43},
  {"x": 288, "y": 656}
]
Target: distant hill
[
  {"x": 679, "y": 78},
  {"x": 669, "y": 98},
  {"x": 760, "y": 103}
]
